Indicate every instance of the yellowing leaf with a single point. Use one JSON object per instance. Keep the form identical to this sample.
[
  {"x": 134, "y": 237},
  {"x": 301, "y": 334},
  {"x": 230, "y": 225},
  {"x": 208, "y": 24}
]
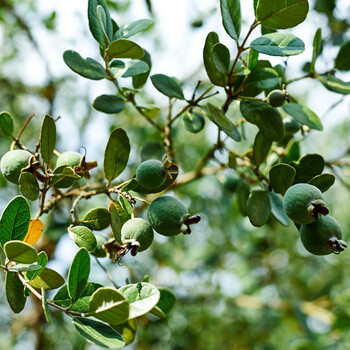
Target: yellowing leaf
[{"x": 35, "y": 230}]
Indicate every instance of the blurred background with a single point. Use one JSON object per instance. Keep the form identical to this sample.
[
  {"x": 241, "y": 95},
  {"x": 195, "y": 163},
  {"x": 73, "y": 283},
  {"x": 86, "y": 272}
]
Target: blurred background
[{"x": 237, "y": 287}]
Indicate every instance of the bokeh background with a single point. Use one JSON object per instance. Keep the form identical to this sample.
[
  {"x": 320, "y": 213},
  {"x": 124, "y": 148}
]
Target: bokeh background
[{"x": 237, "y": 287}]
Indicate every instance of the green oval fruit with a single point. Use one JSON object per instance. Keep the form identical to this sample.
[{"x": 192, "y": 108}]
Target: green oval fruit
[
  {"x": 276, "y": 98},
  {"x": 291, "y": 126},
  {"x": 151, "y": 174},
  {"x": 13, "y": 162},
  {"x": 99, "y": 251},
  {"x": 303, "y": 203},
  {"x": 70, "y": 159},
  {"x": 139, "y": 232},
  {"x": 232, "y": 182},
  {"x": 323, "y": 236},
  {"x": 166, "y": 215}
]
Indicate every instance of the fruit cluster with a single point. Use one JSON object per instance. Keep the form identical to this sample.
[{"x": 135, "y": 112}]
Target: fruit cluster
[{"x": 320, "y": 233}]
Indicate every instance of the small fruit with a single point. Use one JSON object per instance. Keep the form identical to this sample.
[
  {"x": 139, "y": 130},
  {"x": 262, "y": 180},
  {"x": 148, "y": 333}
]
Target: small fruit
[
  {"x": 13, "y": 162},
  {"x": 168, "y": 216},
  {"x": 323, "y": 236},
  {"x": 151, "y": 174},
  {"x": 70, "y": 159},
  {"x": 99, "y": 251},
  {"x": 138, "y": 233},
  {"x": 276, "y": 98},
  {"x": 303, "y": 203},
  {"x": 291, "y": 126},
  {"x": 232, "y": 182}
]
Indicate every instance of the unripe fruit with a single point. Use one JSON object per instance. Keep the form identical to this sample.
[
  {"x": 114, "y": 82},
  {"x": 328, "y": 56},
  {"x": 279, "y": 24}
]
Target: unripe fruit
[
  {"x": 276, "y": 98},
  {"x": 151, "y": 174},
  {"x": 99, "y": 251},
  {"x": 69, "y": 158},
  {"x": 138, "y": 233},
  {"x": 303, "y": 203},
  {"x": 168, "y": 216},
  {"x": 323, "y": 236},
  {"x": 291, "y": 126},
  {"x": 13, "y": 162},
  {"x": 232, "y": 182}
]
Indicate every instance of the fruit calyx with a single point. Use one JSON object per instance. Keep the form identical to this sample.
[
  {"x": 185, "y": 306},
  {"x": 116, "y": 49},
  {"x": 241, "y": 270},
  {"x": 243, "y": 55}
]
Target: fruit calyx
[
  {"x": 316, "y": 208},
  {"x": 185, "y": 227},
  {"x": 338, "y": 245}
]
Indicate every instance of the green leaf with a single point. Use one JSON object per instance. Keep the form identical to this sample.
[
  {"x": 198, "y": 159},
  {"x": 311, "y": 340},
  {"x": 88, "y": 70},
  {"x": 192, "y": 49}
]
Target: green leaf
[
  {"x": 303, "y": 115},
  {"x": 143, "y": 297},
  {"x": 50, "y": 278},
  {"x": 264, "y": 78},
  {"x": 6, "y": 123},
  {"x": 94, "y": 24},
  {"x": 323, "y": 181},
  {"x": 87, "y": 68},
  {"x": 25, "y": 267},
  {"x": 109, "y": 305},
  {"x": 28, "y": 185},
  {"x": 277, "y": 209},
  {"x": 216, "y": 77},
  {"x": 253, "y": 59},
  {"x": 219, "y": 118},
  {"x": 140, "y": 80},
  {"x": 118, "y": 218},
  {"x": 334, "y": 84},
  {"x": 221, "y": 58},
  {"x": 278, "y": 44},
  {"x": 98, "y": 333},
  {"x": 166, "y": 302},
  {"x": 242, "y": 194},
  {"x": 258, "y": 207},
  {"x": 116, "y": 154},
  {"x": 15, "y": 220},
  {"x": 133, "y": 28},
  {"x": 82, "y": 304},
  {"x": 14, "y": 292},
  {"x": 21, "y": 252},
  {"x": 78, "y": 274},
  {"x": 125, "y": 204},
  {"x": 193, "y": 122},
  {"x": 231, "y": 17},
  {"x": 47, "y": 138},
  {"x": 342, "y": 61},
  {"x": 83, "y": 237},
  {"x": 308, "y": 167},
  {"x": 44, "y": 304},
  {"x": 279, "y": 14},
  {"x": 123, "y": 48},
  {"x": 132, "y": 68},
  {"x": 265, "y": 117},
  {"x": 167, "y": 86},
  {"x": 261, "y": 148},
  {"x": 108, "y": 104},
  {"x": 42, "y": 261},
  {"x": 97, "y": 219},
  {"x": 317, "y": 48},
  {"x": 281, "y": 176}
]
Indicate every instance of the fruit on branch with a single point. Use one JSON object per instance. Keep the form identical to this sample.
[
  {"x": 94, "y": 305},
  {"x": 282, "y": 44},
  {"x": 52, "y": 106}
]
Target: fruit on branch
[
  {"x": 70, "y": 159},
  {"x": 99, "y": 251},
  {"x": 169, "y": 216},
  {"x": 291, "y": 126},
  {"x": 13, "y": 162},
  {"x": 303, "y": 203},
  {"x": 276, "y": 98},
  {"x": 151, "y": 174},
  {"x": 138, "y": 234},
  {"x": 323, "y": 236}
]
